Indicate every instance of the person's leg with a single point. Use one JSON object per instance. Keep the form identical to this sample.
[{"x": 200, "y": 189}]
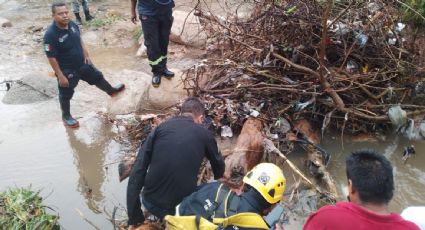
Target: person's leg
[
  {"x": 91, "y": 75},
  {"x": 150, "y": 25},
  {"x": 155, "y": 210},
  {"x": 65, "y": 96},
  {"x": 165, "y": 30},
  {"x": 86, "y": 10},
  {"x": 76, "y": 10}
]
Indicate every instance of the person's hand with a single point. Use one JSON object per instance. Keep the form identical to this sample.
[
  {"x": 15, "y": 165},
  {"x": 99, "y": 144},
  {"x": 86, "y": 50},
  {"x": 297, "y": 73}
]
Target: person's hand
[
  {"x": 87, "y": 60},
  {"x": 133, "y": 17},
  {"x": 133, "y": 227},
  {"x": 278, "y": 226},
  {"x": 63, "y": 81}
]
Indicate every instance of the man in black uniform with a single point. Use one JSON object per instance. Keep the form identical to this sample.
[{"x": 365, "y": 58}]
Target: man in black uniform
[
  {"x": 168, "y": 163},
  {"x": 70, "y": 60},
  {"x": 157, "y": 19}
]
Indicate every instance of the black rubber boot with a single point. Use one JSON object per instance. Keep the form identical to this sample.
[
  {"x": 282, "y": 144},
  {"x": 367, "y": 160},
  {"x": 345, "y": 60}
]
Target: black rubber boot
[
  {"x": 67, "y": 119},
  {"x": 167, "y": 74},
  {"x": 107, "y": 88},
  {"x": 156, "y": 79},
  {"x": 78, "y": 19},
  {"x": 88, "y": 16}
]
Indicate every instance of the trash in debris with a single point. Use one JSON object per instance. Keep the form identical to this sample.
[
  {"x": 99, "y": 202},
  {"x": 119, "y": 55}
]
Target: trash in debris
[
  {"x": 399, "y": 27},
  {"x": 254, "y": 113},
  {"x": 408, "y": 152},
  {"x": 392, "y": 41},
  {"x": 282, "y": 125},
  {"x": 352, "y": 66},
  {"x": 361, "y": 39},
  {"x": 398, "y": 116},
  {"x": 299, "y": 106},
  {"x": 226, "y": 131}
]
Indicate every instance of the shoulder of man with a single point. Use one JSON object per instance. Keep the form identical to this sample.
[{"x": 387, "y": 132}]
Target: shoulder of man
[
  {"x": 74, "y": 26},
  {"x": 50, "y": 31},
  {"x": 326, "y": 216}
]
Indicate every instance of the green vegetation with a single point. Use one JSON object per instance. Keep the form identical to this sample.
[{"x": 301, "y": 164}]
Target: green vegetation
[
  {"x": 137, "y": 32},
  {"x": 414, "y": 12},
  {"x": 22, "y": 208},
  {"x": 101, "y": 22}
]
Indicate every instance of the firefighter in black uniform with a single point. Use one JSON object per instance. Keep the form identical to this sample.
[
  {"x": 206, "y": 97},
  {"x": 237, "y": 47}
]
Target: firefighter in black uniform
[
  {"x": 157, "y": 19},
  {"x": 70, "y": 60},
  {"x": 168, "y": 163}
]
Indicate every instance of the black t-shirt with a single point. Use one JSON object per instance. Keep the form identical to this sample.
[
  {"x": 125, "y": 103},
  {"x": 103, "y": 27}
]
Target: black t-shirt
[
  {"x": 155, "y": 7},
  {"x": 64, "y": 45},
  {"x": 168, "y": 163}
]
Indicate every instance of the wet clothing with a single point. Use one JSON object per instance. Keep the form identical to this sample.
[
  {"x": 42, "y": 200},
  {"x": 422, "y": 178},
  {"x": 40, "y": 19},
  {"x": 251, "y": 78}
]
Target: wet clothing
[
  {"x": 167, "y": 166},
  {"x": 350, "y": 216},
  {"x": 156, "y": 18},
  {"x": 76, "y": 5},
  {"x": 202, "y": 202},
  {"x": 65, "y": 46}
]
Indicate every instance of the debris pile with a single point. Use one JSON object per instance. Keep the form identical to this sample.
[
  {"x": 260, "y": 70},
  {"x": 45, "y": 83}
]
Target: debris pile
[{"x": 344, "y": 63}]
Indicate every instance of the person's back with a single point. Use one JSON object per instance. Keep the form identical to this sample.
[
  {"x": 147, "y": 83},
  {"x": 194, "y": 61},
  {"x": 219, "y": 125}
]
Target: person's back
[
  {"x": 168, "y": 162},
  {"x": 349, "y": 216},
  {"x": 179, "y": 146},
  {"x": 264, "y": 187},
  {"x": 370, "y": 189}
]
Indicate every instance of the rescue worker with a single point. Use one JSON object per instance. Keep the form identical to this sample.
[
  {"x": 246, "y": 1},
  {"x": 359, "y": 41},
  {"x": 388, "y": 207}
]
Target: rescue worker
[
  {"x": 370, "y": 189},
  {"x": 70, "y": 61},
  {"x": 168, "y": 162},
  {"x": 76, "y": 10},
  {"x": 263, "y": 189},
  {"x": 156, "y": 19}
]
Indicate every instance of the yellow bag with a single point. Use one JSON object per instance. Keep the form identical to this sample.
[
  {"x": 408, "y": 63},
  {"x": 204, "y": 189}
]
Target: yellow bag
[
  {"x": 188, "y": 223},
  {"x": 245, "y": 220}
]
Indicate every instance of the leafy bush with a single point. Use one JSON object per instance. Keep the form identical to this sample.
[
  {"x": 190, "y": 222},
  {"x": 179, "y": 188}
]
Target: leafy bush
[
  {"x": 414, "y": 12},
  {"x": 22, "y": 208}
]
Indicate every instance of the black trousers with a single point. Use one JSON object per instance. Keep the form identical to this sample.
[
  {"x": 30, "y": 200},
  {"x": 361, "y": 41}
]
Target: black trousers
[
  {"x": 87, "y": 73},
  {"x": 156, "y": 32}
]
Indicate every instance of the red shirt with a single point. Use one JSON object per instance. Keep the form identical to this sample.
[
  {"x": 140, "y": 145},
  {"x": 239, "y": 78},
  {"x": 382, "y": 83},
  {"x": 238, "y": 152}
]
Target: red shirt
[{"x": 349, "y": 216}]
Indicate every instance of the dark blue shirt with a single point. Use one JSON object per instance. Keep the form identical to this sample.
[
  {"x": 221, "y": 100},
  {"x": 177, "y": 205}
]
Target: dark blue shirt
[
  {"x": 64, "y": 45},
  {"x": 155, "y": 7}
]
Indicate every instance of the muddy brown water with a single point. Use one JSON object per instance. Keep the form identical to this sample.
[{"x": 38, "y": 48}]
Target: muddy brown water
[{"x": 72, "y": 167}]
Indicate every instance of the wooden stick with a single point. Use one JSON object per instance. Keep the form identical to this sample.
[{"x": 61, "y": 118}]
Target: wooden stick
[
  {"x": 269, "y": 147},
  {"x": 87, "y": 220}
]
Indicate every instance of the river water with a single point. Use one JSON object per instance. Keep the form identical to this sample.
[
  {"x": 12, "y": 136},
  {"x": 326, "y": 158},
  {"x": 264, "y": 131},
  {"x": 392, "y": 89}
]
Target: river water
[{"x": 75, "y": 170}]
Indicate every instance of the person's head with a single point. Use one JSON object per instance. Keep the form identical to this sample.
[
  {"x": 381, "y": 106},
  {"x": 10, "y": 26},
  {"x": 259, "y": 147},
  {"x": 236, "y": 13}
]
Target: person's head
[
  {"x": 60, "y": 13},
  {"x": 268, "y": 180},
  {"x": 370, "y": 178},
  {"x": 194, "y": 107}
]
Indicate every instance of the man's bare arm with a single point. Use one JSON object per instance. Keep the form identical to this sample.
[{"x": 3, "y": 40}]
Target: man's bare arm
[{"x": 133, "y": 11}]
